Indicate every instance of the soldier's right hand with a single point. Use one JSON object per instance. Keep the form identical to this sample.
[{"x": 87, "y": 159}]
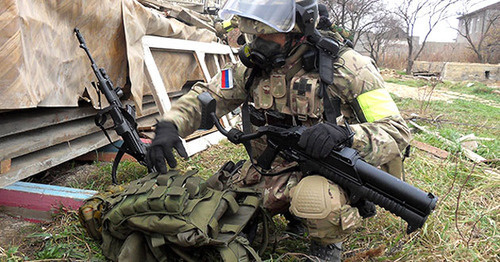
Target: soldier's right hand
[{"x": 166, "y": 139}]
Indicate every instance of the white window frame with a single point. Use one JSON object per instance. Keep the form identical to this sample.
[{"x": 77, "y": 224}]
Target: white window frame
[{"x": 199, "y": 49}]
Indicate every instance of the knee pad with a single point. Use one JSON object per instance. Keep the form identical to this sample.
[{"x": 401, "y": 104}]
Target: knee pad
[
  {"x": 315, "y": 197},
  {"x": 324, "y": 206}
]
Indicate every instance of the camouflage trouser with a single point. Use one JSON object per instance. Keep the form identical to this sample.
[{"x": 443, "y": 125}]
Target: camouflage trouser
[{"x": 322, "y": 204}]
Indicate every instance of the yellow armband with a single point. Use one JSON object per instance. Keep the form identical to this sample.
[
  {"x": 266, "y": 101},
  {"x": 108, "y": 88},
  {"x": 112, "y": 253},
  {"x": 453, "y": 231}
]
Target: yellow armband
[{"x": 377, "y": 104}]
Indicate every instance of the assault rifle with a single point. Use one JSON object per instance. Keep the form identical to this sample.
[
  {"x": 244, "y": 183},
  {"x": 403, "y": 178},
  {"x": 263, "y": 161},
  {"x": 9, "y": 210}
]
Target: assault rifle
[
  {"x": 123, "y": 117},
  {"x": 362, "y": 181}
]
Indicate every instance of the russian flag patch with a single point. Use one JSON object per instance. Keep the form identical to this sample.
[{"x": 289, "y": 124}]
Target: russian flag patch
[{"x": 226, "y": 79}]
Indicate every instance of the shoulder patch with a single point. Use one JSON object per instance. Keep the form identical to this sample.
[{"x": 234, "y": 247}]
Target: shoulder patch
[{"x": 226, "y": 78}]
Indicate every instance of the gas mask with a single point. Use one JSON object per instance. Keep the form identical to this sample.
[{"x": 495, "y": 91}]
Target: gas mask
[{"x": 264, "y": 54}]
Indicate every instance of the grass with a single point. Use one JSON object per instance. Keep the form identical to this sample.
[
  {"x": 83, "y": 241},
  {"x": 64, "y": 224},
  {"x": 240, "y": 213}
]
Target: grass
[
  {"x": 473, "y": 88},
  {"x": 464, "y": 226},
  {"x": 456, "y": 118},
  {"x": 455, "y": 182},
  {"x": 407, "y": 82}
]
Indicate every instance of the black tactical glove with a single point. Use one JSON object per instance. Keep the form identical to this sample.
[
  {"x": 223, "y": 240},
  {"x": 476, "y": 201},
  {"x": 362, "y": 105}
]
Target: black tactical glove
[
  {"x": 366, "y": 209},
  {"x": 319, "y": 140},
  {"x": 166, "y": 139}
]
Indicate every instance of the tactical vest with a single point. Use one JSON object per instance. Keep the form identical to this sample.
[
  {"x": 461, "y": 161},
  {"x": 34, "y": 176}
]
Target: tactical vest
[
  {"x": 169, "y": 216},
  {"x": 291, "y": 91}
]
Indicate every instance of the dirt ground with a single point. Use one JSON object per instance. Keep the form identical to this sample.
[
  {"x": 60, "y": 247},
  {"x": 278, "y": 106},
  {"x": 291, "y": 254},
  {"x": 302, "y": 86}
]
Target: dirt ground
[
  {"x": 13, "y": 229},
  {"x": 427, "y": 93}
]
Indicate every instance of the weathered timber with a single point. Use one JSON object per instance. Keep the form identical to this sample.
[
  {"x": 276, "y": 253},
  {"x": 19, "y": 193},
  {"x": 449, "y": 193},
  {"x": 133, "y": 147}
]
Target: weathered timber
[
  {"x": 38, "y": 161},
  {"x": 5, "y": 166},
  {"x": 18, "y": 121},
  {"x": 39, "y": 202},
  {"x": 23, "y": 120},
  {"x": 31, "y": 141}
]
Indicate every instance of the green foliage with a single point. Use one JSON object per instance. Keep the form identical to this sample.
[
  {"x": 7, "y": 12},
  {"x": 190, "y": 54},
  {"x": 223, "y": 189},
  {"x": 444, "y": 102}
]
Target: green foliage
[
  {"x": 473, "y": 88},
  {"x": 456, "y": 118},
  {"x": 209, "y": 161},
  {"x": 401, "y": 72},
  {"x": 66, "y": 239},
  {"x": 12, "y": 254},
  {"x": 408, "y": 82},
  {"x": 476, "y": 216}
]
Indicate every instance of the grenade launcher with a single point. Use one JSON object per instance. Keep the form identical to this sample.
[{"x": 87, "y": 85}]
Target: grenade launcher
[{"x": 362, "y": 181}]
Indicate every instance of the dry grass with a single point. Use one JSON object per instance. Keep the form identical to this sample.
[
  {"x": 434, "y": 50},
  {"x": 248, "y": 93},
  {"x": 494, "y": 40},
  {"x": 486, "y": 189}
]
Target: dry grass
[{"x": 464, "y": 226}]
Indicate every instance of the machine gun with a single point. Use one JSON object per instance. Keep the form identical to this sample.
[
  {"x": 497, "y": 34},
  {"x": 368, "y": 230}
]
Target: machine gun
[
  {"x": 362, "y": 181},
  {"x": 123, "y": 116}
]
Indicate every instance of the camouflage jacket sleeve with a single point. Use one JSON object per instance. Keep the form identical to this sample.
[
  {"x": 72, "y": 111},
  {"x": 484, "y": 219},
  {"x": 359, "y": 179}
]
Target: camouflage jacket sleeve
[
  {"x": 380, "y": 138},
  {"x": 186, "y": 111}
]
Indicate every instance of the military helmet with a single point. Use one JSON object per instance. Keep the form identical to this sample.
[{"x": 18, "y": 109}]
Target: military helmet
[{"x": 267, "y": 16}]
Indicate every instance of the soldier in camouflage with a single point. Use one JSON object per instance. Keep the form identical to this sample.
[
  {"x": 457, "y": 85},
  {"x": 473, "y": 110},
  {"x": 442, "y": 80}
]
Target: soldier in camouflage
[{"x": 286, "y": 93}]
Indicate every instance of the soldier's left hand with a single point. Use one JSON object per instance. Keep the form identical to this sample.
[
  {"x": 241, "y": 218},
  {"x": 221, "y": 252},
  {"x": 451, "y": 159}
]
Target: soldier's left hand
[{"x": 319, "y": 140}]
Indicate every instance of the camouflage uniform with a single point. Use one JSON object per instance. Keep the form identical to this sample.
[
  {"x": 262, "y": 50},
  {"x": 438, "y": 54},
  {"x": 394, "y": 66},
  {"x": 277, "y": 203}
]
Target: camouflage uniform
[{"x": 380, "y": 139}]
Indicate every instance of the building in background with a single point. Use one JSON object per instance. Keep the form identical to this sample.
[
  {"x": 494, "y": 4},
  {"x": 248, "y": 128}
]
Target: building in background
[{"x": 476, "y": 22}]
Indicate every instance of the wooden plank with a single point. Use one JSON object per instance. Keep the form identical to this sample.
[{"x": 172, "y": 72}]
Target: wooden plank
[
  {"x": 19, "y": 121},
  {"x": 200, "y": 57},
  {"x": 38, "y": 201},
  {"x": 36, "y": 162},
  {"x": 179, "y": 45},
  {"x": 11, "y": 147},
  {"x": 430, "y": 149},
  {"x": 200, "y": 133},
  {"x": 202, "y": 143},
  {"x": 158, "y": 87},
  {"x": 185, "y": 45},
  {"x": 31, "y": 141},
  {"x": 108, "y": 153},
  {"x": 33, "y": 163},
  {"x": 30, "y": 119},
  {"x": 103, "y": 157},
  {"x": 467, "y": 152},
  {"x": 5, "y": 166}
]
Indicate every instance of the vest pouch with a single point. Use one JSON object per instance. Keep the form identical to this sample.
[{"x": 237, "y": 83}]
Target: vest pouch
[
  {"x": 141, "y": 204},
  {"x": 278, "y": 86},
  {"x": 195, "y": 186},
  {"x": 302, "y": 107},
  {"x": 115, "y": 215},
  {"x": 304, "y": 98},
  {"x": 181, "y": 213},
  {"x": 315, "y": 102},
  {"x": 278, "y": 90},
  {"x": 166, "y": 179},
  {"x": 156, "y": 198},
  {"x": 127, "y": 206},
  {"x": 263, "y": 99},
  {"x": 175, "y": 200},
  {"x": 281, "y": 105}
]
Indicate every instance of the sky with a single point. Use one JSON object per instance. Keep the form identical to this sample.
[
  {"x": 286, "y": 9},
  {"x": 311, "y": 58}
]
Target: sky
[{"x": 444, "y": 31}]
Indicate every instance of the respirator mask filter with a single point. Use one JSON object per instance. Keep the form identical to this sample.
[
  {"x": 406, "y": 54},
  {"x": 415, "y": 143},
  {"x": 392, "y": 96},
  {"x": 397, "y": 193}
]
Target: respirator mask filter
[{"x": 263, "y": 54}]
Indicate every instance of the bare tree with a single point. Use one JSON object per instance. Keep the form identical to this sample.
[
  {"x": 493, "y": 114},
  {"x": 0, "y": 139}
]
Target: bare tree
[
  {"x": 357, "y": 16},
  {"x": 380, "y": 36},
  {"x": 481, "y": 32},
  {"x": 413, "y": 12}
]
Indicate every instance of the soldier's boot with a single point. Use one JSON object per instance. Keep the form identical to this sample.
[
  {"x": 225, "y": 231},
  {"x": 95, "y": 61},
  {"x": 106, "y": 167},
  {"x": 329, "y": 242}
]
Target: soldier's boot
[
  {"x": 295, "y": 225},
  {"x": 328, "y": 253}
]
